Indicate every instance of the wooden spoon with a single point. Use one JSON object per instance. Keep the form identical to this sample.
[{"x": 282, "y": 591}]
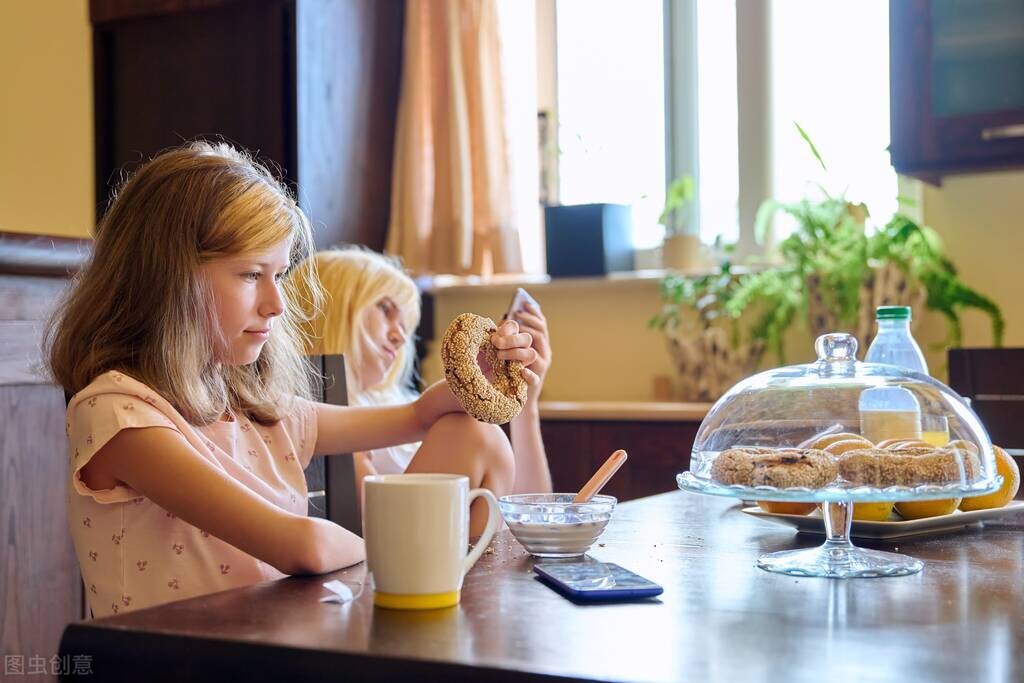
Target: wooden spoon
[{"x": 601, "y": 477}]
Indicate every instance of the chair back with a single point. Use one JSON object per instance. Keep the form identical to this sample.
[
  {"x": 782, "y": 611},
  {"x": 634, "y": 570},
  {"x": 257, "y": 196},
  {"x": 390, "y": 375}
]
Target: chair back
[
  {"x": 332, "y": 479},
  {"x": 992, "y": 379}
]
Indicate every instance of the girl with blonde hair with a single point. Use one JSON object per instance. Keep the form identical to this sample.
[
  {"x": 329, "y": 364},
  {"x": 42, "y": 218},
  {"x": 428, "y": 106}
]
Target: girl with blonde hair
[
  {"x": 191, "y": 419},
  {"x": 370, "y": 314}
]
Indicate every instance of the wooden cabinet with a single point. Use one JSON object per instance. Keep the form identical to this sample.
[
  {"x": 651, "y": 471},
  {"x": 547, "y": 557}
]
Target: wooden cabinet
[
  {"x": 311, "y": 85},
  {"x": 658, "y": 451},
  {"x": 957, "y": 86}
]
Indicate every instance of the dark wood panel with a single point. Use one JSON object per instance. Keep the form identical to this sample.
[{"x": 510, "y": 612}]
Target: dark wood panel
[
  {"x": 41, "y": 255},
  {"x": 349, "y": 61},
  {"x": 104, "y": 11},
  {"x": 40, "y": 588},
  {"x": 658, "y": 451},
  {"x": 312, "y": 86},
  {"x": 991, "y": 378},
  {"x": 987, "y": 371},
  {"x": 217, "y": 72},
  {"x": 567, "y": 445},
  {"x": 926, "y": 144},
  {"x": 719, "y": 619}
]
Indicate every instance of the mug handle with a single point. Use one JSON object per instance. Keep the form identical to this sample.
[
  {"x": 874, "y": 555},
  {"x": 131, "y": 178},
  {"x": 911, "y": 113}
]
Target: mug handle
[{"x": 493, "y": 523}]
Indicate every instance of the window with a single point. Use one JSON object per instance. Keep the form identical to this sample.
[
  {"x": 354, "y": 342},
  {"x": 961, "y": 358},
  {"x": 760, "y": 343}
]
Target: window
[
  {"x": 611, "y": 108},
  {"x": 835, "y": 84},
  {"x": 718, "y": 156},
  {"x": 628, "y": 122}
]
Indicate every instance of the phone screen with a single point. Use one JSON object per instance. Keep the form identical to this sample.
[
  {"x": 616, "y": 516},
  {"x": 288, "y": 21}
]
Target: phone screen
[
  {"x": 593, "y": 580},
  {"x": 520, "y": 298}
]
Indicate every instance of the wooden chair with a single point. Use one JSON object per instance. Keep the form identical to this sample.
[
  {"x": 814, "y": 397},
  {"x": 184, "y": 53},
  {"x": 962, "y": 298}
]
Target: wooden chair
[
  {"x": 332, "y": 480},
  {"x": 992, "y": 379}
]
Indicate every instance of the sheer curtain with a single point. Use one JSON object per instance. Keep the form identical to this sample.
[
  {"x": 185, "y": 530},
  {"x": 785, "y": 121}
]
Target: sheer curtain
[{"x": 451, "y": 209}]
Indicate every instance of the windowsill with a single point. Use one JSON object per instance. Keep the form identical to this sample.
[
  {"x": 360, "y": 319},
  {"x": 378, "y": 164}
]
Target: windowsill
[
  {"x": 436, "y": 284},
  {"x": 623, "y": 411}
]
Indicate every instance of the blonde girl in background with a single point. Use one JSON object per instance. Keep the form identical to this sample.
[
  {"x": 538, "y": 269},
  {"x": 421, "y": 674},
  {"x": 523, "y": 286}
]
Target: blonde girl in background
[
  {"x": 191, "y": 419},
  {"x": 371, "y": 311}
]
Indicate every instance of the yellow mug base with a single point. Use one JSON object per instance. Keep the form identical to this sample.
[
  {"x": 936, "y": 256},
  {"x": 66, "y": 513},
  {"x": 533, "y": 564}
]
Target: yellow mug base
[{"x": 427, "y": 601}]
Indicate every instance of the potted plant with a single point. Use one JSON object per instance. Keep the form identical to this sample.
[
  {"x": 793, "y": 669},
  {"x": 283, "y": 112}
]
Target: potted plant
[
  {"x": 706, "y": 342},
  {"x": 834, "y": 274},
  {"x": 681, "y": 248}
]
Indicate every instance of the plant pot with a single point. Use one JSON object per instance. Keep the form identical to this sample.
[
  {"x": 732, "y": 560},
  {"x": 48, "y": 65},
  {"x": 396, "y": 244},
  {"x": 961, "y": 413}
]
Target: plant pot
[
  {"x": 885, "y": 285},
  {"x": 707, "y": 365},
  {"x": 681, "y": 252}
]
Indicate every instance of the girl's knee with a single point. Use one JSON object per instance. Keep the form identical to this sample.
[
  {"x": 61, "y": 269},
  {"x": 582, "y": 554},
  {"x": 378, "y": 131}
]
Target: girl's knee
[{"x": 486, "y": 444}]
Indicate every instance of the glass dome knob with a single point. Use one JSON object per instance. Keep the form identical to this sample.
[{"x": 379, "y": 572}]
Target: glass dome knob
[{"x": 836, "y": 347}]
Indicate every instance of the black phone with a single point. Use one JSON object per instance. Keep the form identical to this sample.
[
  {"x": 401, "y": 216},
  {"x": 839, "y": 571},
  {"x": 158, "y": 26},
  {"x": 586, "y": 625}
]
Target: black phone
[
  {"x": 593, "y": 581},
  {"x": 520, "y": 298}
]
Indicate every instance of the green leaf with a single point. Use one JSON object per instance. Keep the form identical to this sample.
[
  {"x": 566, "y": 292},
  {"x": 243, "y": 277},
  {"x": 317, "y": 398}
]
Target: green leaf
[{"x": 814, "y": 150}]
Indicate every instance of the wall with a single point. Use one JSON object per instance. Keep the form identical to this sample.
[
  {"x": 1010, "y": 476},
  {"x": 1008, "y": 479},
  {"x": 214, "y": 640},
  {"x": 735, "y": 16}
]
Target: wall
[
  {"x": 46, "y": 121},
  {"x": 979, "y": 218},
  {"x": 603, "y": 350}
]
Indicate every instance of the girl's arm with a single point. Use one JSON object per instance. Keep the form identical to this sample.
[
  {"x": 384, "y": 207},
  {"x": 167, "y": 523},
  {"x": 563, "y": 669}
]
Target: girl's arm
[
  {"x": 341, "y": 429},
  {"x": 161, "y": 465},
  {"x": 532, "y": 472}
]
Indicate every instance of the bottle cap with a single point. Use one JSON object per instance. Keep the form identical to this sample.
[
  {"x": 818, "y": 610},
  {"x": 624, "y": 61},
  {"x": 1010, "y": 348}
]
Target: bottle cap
[{"x": 892, "y": 313}]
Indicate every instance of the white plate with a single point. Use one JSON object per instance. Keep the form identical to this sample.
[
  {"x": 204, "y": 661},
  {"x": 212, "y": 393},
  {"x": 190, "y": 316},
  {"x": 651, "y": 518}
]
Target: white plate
[{"x": 895, "y": 528}]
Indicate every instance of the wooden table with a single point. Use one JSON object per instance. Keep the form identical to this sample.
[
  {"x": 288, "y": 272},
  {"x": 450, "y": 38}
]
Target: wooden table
[{"x": 720, "y": 618}]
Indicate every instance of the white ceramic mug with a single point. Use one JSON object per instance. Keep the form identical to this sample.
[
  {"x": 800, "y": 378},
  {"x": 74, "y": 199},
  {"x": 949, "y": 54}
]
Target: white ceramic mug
[{"x": 416, "y": 528}]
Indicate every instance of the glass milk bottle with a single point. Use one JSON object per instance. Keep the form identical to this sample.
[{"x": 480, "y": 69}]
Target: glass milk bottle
[
  {"x": 893, "y": 412},
  {"x": 894, "y": 345}
]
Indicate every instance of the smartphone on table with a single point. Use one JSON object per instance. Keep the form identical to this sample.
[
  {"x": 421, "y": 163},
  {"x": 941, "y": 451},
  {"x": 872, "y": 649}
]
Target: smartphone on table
[
  {"x": 593, "y": 581},
  {"x": 519, "y": 299}
]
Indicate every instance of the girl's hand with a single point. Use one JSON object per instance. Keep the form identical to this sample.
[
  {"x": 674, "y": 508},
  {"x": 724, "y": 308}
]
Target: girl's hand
[
  {"x": 511, "y": 344},
  {"x": 532, "y": 321}
]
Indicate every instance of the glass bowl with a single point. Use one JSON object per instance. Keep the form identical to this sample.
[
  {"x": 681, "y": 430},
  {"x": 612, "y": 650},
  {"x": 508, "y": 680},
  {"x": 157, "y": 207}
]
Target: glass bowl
[
  {"x": 551, "y": 525},
  {"x": 838, "y": 431}
]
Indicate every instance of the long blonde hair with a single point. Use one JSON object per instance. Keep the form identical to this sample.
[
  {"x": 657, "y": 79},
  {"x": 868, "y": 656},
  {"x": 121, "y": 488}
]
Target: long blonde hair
[
  {"x": 354, "y": 280},
  {"x": 142, "y": 306}
]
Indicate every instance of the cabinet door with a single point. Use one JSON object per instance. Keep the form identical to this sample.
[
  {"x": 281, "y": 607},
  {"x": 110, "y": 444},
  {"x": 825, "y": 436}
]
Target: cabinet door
[
  {"x": 957, "y": 85},
  {"x": 658, "y": 451},
  {"x": 165, "y": 77},
  {"x": 567, "y": 445}
]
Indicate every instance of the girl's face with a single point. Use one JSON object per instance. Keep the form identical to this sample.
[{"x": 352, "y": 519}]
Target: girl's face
[
  {"x": 247, "y": 299},
  {"x": 382, "y": 339}
]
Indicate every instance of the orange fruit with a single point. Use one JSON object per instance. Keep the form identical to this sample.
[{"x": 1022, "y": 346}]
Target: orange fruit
[
  {"x": 1011, "y": 482},
  {"x": 872, "y": 512},
  {"x": 919, "y": 509},
  {"x": 781, "y": 508},
  {"x": 909, "y": 443},
  {"x": 824, "y": 441},
  {"x": 852, "y": 444}
]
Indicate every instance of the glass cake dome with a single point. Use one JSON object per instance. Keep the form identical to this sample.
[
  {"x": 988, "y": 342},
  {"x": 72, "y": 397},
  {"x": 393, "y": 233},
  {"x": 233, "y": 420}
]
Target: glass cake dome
[{"x": 838, "y": 431}]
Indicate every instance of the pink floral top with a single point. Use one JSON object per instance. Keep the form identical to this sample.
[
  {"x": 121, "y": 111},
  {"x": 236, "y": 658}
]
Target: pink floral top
[{"x": 135, "y": 554}]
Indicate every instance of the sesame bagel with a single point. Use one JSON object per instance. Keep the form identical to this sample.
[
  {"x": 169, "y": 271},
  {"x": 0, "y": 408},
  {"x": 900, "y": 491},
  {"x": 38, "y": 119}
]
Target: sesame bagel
[
  {"x": 882, "y": 468},
  {"x": 495, "y": 403},
  {"x": 783, "y": 467}
]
